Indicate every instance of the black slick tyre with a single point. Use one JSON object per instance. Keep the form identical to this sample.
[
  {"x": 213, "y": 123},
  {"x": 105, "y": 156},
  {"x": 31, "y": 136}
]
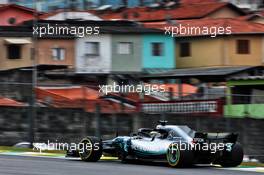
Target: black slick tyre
[{"x": 90, "y": 149}]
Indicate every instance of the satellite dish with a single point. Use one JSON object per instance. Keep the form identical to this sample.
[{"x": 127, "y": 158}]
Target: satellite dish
[
  {"x": 171, "y": 4},
  {"x": 104, "y": 7},
  {"x": 154, "y": 5}
]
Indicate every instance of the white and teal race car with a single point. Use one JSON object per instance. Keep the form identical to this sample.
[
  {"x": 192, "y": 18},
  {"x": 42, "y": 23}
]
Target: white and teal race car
[{"x": 177, "y": 145}]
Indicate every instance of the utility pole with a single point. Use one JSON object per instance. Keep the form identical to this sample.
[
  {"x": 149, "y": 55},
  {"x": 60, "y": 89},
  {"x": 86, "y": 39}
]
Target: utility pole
[
  {"x": 98, "y": 120},
  {"x": 32, "y": 113},
  {"x": 141, "y": 3},
  {"x": 125, "y": 3}
]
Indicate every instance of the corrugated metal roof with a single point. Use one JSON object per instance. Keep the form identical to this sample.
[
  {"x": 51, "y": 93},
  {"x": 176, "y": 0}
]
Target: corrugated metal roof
[
  {"x": 236, "y": 26},
  {"x": 198, "y": 71},
  {"x": 183, "y": 11},
  {"x": 248, "y": 78},
  {"x": 78, "y": 97},
  {"x": 10, "y": 102},
  {"x": 112, "y": 27}
]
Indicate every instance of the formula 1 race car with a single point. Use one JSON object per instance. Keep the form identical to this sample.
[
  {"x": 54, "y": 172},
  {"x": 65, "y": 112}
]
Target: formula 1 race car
[{"x": 180, "y": 146}]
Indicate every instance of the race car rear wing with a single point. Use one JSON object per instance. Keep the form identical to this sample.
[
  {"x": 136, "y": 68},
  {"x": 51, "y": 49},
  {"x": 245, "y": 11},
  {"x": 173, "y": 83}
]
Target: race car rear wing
[{"x": 216, "y": 137}]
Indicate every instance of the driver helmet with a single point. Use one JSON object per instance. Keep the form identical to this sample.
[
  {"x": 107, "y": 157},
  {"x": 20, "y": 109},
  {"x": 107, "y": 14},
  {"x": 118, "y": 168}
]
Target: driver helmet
[{"x": 160, "y": 127}]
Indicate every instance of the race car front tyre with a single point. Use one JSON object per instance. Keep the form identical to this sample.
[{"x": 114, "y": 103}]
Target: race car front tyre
[
  {"x": 90, "y": 149},
  {"x": 179, "y": 158},
  {"x": 234, "y": 157}
]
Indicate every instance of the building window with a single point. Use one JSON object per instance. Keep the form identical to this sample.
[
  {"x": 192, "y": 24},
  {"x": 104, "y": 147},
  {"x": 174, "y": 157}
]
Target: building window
[
  {"x": 92, "y": 48},
  {"x": 124, "y": 48},
  {"x": 14, "y": 51},
  {"x": 58, "y": 53},
  {"x": 185, "y": 49},
  {"x": 157, "y": 49},
  {"x": 243, "y": 47}
]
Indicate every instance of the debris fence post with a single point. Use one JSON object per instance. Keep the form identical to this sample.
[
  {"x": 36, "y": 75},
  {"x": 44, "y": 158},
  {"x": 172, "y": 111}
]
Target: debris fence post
[
  {"x": 136, "y": 122},
  {"x": 85, "y": 113},
  {"x": 98, "y": 120}
]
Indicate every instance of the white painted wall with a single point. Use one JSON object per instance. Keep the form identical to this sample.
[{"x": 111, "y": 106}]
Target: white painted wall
[
  {"x": 74, "y": 15},
  {"x": 247, "y": 4},
  {"x": 4, "y": 1},
  {"x": 94, "y": 64}
]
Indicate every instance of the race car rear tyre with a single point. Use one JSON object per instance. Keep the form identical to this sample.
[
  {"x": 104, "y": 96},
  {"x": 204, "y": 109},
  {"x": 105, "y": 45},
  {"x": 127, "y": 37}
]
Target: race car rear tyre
[
  {"x": 179, "y": 158},
  {"x": 90, "y": 149},
  {"x": 234, "y": 157}
]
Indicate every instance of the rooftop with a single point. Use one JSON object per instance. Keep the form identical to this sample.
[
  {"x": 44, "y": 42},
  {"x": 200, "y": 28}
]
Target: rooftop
[
  {"x": 206, "y": 73},
  {"x": 120, "y": 26},
  {"x": 197, "y": 1},
  {"x": 113, "y": 27},
  {"x": 85, "y": 98},
  {"x": 260, "y": 77},
  {"x": 61, "y": 14},
  {"x": 183, "y": 11},
  {"x": 18, "y": 7},
  {"x": 10, "y": 102},
  {"x": 236, "y": 26}
]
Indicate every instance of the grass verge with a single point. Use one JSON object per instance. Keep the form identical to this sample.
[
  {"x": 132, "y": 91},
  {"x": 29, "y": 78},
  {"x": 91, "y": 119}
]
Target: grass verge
[
  {"x": 4, "y": 149},
  {"x": 14, "y": 149}
]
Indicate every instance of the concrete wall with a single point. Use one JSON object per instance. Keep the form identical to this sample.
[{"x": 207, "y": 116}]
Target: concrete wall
[
  {"x": 93, "y": 64},
  {"x": 44, "y": 51},
  {"x": 255, "y": 56},
  {"x": 167, "y": 60},
  {"x": 204, "y": 53},
  {"x": 127, "y": 63},
  {"x": 242, "y": 110},
  {"x": 71, "y": 125},
  {"x": 224, "y": 13},
  {"x": 109, "y": 60},
  {"x": 24, "y": 61},
  {"x": 19, "y": 14},
  {"x": 220, "y": 51}
]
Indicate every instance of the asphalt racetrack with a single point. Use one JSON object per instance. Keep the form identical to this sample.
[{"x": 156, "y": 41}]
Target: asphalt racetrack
[{"x": 19, "y": 165}]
